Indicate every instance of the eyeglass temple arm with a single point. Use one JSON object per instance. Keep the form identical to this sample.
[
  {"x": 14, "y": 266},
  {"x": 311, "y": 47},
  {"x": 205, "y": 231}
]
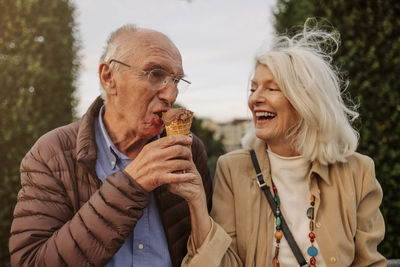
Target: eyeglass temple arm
[
  {"x": 129, "y": 66},
  {"x": 186, "y": 81},
  {"x": 120, "y": 62}
]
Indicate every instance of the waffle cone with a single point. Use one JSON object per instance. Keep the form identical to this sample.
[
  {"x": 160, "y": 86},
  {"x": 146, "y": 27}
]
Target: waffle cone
[{"x": 179, "y": 127}]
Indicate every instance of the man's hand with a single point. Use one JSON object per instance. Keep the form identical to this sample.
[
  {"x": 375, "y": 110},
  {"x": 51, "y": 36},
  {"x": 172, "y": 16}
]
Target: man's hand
[{"x": 162, "y": 162}]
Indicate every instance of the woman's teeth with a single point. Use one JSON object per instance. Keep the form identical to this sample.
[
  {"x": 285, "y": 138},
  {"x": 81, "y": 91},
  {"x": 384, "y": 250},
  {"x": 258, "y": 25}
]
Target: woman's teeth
[{"x": 265, "y": 115}]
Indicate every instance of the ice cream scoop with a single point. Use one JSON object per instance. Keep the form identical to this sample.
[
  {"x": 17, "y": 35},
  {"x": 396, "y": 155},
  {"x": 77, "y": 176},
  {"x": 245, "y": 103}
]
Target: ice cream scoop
[{"x": 177, "y": 121}]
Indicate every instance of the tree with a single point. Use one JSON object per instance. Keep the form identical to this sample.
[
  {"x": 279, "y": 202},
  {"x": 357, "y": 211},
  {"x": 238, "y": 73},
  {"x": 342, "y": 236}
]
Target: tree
[
  {"x": 38, "y": 62},
  {"x": 370, "y": 58},
  {"x": 290, "y": 15},
  {"x": 214, "y": 147}
]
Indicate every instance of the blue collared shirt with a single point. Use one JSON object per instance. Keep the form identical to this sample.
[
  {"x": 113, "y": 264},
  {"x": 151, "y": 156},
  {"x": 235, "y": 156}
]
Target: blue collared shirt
[{"x": 147, "y": 246}]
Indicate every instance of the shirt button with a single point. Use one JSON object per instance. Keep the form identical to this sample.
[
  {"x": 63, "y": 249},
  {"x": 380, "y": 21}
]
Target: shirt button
[
  {"x": 140, "y": 246},
  {"x": 318, "y": 224},
  {"x": 333, "y": 259}
]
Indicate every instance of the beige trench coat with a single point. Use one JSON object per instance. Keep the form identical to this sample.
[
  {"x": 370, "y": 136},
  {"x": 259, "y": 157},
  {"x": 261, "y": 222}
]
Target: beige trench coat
[{"x": 349, "y": 225}]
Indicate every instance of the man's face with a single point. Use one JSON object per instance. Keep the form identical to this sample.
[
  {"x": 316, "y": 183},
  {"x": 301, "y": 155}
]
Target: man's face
[{"x": 137, "y": 103}]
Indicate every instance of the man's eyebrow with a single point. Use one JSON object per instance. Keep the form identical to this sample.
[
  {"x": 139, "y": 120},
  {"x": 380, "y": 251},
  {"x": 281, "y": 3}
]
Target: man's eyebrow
[{"x": 154, "y": 65}]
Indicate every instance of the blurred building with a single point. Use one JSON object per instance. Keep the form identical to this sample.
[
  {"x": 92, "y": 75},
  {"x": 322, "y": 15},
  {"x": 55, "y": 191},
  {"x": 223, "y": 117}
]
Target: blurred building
[{"x": 231, "y": 131}]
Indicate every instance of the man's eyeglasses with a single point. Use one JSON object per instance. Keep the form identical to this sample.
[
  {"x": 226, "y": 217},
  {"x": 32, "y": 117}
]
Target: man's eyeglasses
[{"x": 159, "y": 77}]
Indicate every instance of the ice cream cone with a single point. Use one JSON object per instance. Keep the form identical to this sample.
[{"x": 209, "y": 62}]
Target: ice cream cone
[
  {"x": 177, "y": 121},
  {"x": 179, "y": 127}
]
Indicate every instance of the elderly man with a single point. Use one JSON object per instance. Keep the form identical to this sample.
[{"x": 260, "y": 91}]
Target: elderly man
[{"x": 98, "y": 191}]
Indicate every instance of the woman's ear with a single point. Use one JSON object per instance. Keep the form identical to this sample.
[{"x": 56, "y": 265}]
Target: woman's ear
[{"x": 106, "y": 75}]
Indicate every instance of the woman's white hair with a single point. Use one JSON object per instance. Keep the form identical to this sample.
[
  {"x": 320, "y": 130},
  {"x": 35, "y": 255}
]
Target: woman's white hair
[
  {"x": 302, "y": 68},
  {"x": 116, "y": 48}
]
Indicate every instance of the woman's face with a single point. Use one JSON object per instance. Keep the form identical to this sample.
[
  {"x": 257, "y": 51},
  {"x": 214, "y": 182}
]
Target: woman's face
[{"x": 273, "y": 115}]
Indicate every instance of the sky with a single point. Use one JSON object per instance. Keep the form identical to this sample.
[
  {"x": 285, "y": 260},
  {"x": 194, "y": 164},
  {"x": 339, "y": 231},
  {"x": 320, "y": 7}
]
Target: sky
[{"x": 217, "y": 40}]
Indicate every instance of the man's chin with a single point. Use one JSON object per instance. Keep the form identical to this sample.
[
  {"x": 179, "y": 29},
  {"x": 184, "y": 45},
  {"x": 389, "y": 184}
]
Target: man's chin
[{"x": 155, "y": 132}]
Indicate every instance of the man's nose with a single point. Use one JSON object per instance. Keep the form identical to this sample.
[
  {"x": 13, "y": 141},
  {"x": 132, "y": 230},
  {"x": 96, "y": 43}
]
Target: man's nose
[{"x": 169, "y": 93}]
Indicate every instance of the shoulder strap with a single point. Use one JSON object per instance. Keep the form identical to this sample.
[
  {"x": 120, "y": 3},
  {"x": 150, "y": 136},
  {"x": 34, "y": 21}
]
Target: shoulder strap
[{"x": 285, "y": 229}]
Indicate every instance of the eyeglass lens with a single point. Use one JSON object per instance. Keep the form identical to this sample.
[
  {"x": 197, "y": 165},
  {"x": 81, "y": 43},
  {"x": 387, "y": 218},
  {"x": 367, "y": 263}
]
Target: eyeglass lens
[{"x": 161, "y": 78}]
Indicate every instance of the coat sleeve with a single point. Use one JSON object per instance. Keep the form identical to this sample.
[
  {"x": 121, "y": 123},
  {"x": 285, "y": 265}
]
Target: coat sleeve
[
  {"x": 46, "y": 231},
  {"x": 200, "y": 159},
  {"x": 370, "y": 225},
  {"x": 219, "y": 247}
]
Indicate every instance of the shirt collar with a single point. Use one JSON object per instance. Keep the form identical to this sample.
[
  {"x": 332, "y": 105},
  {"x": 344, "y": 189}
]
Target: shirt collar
[
  {"x": 321, "y": 170},
  {"x": 113, "y": 153}
]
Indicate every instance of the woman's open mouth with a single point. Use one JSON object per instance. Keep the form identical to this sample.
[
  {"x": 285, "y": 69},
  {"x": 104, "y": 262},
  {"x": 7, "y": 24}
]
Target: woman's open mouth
[{"x": 264, "y": 115}]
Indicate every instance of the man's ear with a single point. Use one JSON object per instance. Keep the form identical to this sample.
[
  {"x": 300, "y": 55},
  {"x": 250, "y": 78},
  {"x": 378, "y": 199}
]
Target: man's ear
[{"x": 107, "y": 79}]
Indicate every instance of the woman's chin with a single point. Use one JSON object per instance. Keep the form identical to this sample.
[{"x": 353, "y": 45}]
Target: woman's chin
[{"x": 262, "y": 135}]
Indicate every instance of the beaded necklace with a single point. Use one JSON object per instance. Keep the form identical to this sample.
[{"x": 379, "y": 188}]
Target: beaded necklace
[{"x": 312, "y": 251}]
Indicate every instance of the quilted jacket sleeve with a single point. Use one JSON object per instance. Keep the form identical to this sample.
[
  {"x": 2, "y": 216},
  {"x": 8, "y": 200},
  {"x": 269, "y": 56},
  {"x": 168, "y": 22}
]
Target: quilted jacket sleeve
[
  {"x": 200, "y": 159},
  {"x": 47, "y": 232}
]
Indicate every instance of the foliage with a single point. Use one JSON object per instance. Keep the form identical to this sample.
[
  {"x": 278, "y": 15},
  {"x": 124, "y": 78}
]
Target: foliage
[
  {"x": 214, "y": 147},
  {"x": 38, "y": 52},
  {"x": 370, "y": 58},
  {"x": 290, "y": 15}
]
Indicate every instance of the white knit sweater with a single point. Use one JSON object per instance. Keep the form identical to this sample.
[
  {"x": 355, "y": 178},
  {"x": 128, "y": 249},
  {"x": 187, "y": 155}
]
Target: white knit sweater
[{"x": 289, "y": 176}]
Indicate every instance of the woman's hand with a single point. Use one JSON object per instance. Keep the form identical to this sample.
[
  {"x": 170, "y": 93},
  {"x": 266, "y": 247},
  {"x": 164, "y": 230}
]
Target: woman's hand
[{"x": 193, "y": 192}]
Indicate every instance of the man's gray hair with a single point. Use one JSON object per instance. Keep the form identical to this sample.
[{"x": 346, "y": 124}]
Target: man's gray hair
[{"x": 116, "y": 49}]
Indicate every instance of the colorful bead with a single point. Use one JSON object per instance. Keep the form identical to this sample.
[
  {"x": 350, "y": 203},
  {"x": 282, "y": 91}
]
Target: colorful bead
[
  {"x": 310, "y": 213},
  {"x": 313, "y": 261},
  {"x": 276, "y": 252},
  {"x": 278, "y": 235},
  {"x": 277, "y": 200},
  {"x": 312, "y": 251},
  {"x": 275, "y": 262}
]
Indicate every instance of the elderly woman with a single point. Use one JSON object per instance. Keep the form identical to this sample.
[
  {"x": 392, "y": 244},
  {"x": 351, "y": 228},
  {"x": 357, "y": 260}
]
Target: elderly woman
[{"x": 319, "y": 188}]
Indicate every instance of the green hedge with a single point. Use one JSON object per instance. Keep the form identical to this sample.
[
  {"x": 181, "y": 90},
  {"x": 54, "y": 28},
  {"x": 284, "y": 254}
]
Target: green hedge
[
  {"x": 38, "y": 50},
  {"x": 370, "y": 58}
]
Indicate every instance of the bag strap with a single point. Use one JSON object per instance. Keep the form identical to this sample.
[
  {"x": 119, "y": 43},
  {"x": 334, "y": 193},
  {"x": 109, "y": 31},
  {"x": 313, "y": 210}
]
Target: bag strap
[{"x": 285, "y": 229}]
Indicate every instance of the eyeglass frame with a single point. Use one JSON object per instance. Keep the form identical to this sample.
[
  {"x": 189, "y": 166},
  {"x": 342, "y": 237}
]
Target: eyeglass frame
[{"x": 174, "y": 79}]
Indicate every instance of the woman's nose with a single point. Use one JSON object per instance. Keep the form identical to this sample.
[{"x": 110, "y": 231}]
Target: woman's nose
[{"x": 257, "y": 96}]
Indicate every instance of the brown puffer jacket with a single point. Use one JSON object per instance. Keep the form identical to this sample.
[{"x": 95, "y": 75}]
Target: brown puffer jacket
[{"x": 65, "y": 216}]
